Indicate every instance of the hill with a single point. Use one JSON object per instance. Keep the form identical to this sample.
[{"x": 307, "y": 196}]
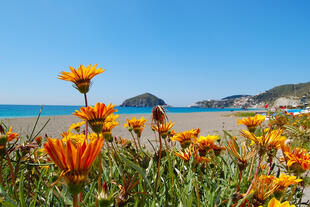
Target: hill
[
  {"x": 287, "y": 90},
  {"x": 234, "y": 97},
  {"x": 288, "y": 94},
  {"x": 143, "y": 100}
]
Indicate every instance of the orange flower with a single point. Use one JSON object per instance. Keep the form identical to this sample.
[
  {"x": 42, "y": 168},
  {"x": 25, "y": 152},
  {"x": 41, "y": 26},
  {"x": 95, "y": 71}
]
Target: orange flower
[
  {"x": 205, "y": 144},
  {"x": 185, "y": 138},
  {"x": 38, "y": 140},
  {"x": 136, "y": 125},
  {"x": 164, "y": 129},
  {"x": 240, "y": 154},
  {"x": 12, "y": 135},
  {"x": 201, "y": 159},
  {"x": 6, "y": 137},
  {"x": 298, "y": 159},
  {"x": 81, "y": 77},
  {"x": 74, "y": 160},
  {"x": 76, "y": 126},
  {"x": 252, "y": 122},
  {"x": 263, "y": 187},
  {"x": 95, "y": 116},
  {"x": 107, "y": 130},
  {"x": 271, "y": 139},
  {"x": 184, "y": 155},
  {"x": 275, "y": 203},
  {"x": 124, "y": 142},
  {"x": 286, "y": 180},
  {"x": 172, "y": 133}
]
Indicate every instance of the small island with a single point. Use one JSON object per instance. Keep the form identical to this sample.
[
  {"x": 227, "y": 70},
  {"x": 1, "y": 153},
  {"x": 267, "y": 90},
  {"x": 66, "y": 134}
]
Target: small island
[{"x": 143, "y": 100}]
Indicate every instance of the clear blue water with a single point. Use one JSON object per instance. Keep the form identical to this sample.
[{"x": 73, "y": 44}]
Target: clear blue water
[{"x": 11, "y": 111}]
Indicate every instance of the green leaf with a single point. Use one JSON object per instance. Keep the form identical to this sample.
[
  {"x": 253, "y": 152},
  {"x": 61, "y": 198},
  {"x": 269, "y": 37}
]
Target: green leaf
[
  {"x": 138, "y": 169},
  {"x": 245, "y": 198},
  {"x": 21, "y": 191}
]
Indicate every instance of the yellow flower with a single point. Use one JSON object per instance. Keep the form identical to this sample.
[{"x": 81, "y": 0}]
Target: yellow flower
[
  {"x": 263, "y": 187},
  {"x": 74, "y": 138},
  {"x": 252, "y": 122},
  {"x": 95, "y": 116},
  {"x": 6, "y": 137},
  {"x": 111, "y": 118},
  {"x": 185, "y": 138},
  {"x": 107, "y": 130},
  {"x": 76, "y": 126},
  {"x": 240, "y": 154},
  {"x": 74, "y": 160},
  {"x": 136, "y": 125},
  {"x": 12, "y": 135},
  {"x": 81, "y": 77},
  {"x": 201, "y": 159},
  {"x": 286, "y": 180},
  {"x": 298, "y": 159},
  {"x": 205, "y": 144},
  {"x": 108, "y": 126},
  {"x": 268, "y": 141},
  {"x": 164, "y": 128},
  {"x": 275, "y": 203},
  {"x": 184, "y": 155},
  {"x": 124, "y": 142}
]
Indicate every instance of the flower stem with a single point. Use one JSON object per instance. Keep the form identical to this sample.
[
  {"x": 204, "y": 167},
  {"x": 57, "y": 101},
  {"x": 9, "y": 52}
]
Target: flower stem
[
  {"x": 270, "y": 165},
  {"x": 139, "y": 143},
  {"x": 100, "y": 171},
  {"x": 255, "y": 175},
  {"x": 166, "y": 144},
  {"x": 240, "y": 177},
  {"x": 251, "y": 168},
  {"x": 1, "y": 178},
  {"x": 80, "y": 197},
  {"x": 134, "y": 141},
  {"x": 75, "y": 200},
  {"x": 159, "y": 158},
  {"x": 110, "y": 160},
  {"x": 86, "y": 124},
  {"x": 11, "y": 168}
]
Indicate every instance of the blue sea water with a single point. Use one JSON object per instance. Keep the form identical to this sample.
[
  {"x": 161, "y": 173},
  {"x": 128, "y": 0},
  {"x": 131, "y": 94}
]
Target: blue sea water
[{"x": 13, "y": 111}]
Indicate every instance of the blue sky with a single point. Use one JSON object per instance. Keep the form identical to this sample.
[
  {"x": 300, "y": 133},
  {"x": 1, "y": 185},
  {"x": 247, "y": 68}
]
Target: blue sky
[{"x": 182, "y": 51}]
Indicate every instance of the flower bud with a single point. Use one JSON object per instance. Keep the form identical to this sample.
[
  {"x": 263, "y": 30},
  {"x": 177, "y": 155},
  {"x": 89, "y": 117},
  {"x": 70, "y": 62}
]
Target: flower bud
[
  {"x": 104, "y": 198},
  {"x": 159, "y": 114}
]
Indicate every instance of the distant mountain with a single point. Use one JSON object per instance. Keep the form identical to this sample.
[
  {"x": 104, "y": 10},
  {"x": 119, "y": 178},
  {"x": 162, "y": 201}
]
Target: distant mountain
[
  {"x": 143, "y": 100},
  {"x": 234, "y": 97},
  {"x": 288, "y": 90},
  {"x": 289, "y": 94}
]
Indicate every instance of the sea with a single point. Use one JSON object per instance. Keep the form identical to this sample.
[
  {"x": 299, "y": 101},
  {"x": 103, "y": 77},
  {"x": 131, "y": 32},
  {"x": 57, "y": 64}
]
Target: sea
[{"x": 16, "y": 111}]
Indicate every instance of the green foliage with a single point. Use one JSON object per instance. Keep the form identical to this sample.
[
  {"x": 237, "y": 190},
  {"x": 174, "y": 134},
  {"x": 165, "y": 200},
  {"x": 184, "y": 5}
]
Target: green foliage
[
  {"x": 287, "y": 90},
  {"x": 144, "y": 100},
  {"x": 244, "y": 114}
]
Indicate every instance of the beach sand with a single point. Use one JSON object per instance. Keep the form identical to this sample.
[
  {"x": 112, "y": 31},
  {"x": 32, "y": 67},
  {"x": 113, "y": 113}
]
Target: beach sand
[{"x": 208, "y": 122}]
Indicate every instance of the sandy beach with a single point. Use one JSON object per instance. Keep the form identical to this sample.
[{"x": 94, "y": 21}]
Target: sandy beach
[{"x": 208, "y": 122}]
